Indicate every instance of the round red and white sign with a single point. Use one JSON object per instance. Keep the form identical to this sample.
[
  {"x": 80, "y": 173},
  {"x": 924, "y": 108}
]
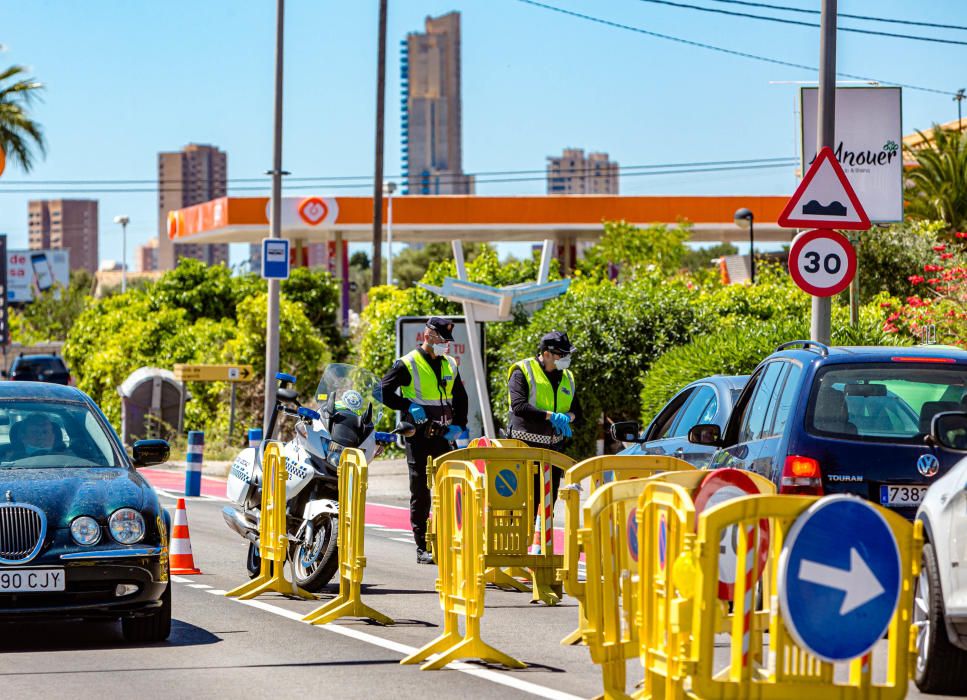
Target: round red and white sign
[{"x": 822, "y": 262}]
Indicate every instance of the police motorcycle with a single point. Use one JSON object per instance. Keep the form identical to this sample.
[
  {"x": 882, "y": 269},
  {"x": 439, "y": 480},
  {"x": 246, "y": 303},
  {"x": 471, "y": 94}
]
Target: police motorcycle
[{"x": 349, "y": 406}]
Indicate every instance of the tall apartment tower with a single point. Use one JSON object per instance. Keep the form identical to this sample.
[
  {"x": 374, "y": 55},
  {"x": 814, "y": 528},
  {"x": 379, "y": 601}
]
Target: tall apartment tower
[
  {"x": 432, "y": 131},
  {"x": 69, "y": 224},
  {"x": 573, "y": 173},
  {"x": 195, "y": 174}
]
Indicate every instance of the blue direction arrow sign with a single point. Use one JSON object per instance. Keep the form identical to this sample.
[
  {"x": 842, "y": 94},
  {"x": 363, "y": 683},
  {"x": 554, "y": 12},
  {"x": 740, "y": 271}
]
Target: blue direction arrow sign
[{"x": 839, "y": 578}]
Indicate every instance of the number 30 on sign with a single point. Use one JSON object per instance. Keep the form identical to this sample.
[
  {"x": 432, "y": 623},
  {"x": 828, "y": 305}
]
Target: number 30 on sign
[{"x": 822, "y": 262}]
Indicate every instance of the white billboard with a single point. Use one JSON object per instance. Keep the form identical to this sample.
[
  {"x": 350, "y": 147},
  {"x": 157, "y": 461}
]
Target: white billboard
[
  {"x": 409, "y": 334},
  {"x": 868, "y": 145},
  {"x": 30, "y": 272}
]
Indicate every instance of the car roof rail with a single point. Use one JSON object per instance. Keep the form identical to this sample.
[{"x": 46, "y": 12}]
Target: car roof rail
[{"x": 806, "y": 345}]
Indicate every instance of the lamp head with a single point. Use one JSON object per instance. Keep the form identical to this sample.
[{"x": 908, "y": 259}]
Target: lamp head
[
  {"x": 122, "y": 219},
  {"x": 389, "y": 188},
  {"x": 743, "y": 217}
]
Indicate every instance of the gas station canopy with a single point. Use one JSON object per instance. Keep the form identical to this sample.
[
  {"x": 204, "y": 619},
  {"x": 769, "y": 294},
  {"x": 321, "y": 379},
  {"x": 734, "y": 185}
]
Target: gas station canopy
[{"x": 425, "y": 219}]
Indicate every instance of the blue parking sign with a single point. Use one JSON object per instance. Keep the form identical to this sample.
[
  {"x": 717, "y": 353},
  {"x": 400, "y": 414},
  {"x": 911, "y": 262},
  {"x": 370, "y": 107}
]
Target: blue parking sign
[
  {"x": 275, "y": 258},
  {"x": 839, "y": 578}
]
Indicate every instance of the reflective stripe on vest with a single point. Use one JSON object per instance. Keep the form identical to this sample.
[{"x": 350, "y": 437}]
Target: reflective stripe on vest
[
  {"x": 423, "y": 388},
  {"x": 541, "y": 391}
]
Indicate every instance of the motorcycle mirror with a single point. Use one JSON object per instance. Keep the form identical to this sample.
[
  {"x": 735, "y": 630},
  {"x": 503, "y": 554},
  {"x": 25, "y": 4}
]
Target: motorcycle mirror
[
  {"x": 330, "y": 411},
  {"x": 367, "y": 418},
  {"x": 405, "y": 428}
]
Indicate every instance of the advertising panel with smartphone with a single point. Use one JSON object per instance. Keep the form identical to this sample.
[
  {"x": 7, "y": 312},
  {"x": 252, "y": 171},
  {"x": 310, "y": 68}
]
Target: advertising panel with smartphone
[
  {"x": 409, "y": 334},
  {"x": 30, "y": 272}
]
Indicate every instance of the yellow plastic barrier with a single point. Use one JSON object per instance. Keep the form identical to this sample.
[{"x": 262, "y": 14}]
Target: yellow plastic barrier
[
  {"x": 353, "y": 482},
  {"x": 273, "y": 539},
  {"x": 678, "y": 650},
  {"x": 459, "y": 491},
  {"x": 598, "y": 470}
]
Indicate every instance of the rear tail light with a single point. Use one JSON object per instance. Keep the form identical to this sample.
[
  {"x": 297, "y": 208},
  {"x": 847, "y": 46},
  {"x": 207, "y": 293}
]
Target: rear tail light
[{"x": 802, "y": 476}]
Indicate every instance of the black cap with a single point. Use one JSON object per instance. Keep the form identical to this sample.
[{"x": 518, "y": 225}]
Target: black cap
[
  {"x": 558, "y": 342},
  {"x": 442, "y": 326}
]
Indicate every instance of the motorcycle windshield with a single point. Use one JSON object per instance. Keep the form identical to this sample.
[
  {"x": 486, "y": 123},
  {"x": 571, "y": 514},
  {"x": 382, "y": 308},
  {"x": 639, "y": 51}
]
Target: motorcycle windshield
[{"x": 354, "y": 389}]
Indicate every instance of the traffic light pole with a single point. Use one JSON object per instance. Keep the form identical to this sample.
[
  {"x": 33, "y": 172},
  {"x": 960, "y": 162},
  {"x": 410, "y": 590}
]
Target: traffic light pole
[{"x": 819, "y": 327}]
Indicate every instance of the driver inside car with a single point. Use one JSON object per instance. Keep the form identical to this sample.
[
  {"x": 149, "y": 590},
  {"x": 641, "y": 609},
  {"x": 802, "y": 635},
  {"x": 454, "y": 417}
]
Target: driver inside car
[{"x": 35, "y": 435}]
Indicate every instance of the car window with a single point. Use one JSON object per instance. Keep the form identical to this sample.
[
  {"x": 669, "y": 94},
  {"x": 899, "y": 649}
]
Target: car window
[
  {"x": 40, "y": 364},
  {"x": 53, "y": 434},
  {"x": 895, "y": 402},
  {"x": 754, "y": 418},
  {"x": 790, "y": 383},
  {"x": 692, "y": 412},
  {"x": 665, "y": 421}
]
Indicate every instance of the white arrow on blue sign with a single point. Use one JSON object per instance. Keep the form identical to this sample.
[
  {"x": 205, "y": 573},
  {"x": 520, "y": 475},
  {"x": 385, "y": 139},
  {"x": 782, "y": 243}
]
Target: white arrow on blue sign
[{"x": 839, "y": 578}]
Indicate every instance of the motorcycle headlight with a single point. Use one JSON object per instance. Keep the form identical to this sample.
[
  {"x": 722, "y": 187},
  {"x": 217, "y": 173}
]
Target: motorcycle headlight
[
  {"x": 127, "y": 526},
  {"x": 335, "y": 455},
  {"x": 85, "y": 530}
]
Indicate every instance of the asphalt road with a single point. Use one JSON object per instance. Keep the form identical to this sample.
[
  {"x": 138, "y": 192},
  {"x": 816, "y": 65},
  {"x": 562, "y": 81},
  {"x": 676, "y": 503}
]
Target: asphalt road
[{"x": 220, "y": 647}]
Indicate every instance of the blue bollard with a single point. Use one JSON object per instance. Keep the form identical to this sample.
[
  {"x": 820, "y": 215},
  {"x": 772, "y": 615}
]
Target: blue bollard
[
  {"x": 196, "y": 449},
  {"x": 254, "y": 437}
]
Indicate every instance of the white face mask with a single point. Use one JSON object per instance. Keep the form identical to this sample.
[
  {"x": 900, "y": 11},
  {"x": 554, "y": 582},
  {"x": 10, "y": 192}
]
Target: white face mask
[
  {"x": 440, "y": 348},
  {"x": 563, "y": 363}
]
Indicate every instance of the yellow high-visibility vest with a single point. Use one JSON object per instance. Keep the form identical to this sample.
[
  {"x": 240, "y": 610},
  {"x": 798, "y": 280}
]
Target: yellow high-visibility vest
[
  {"x": 541, "y": 393},
  {"x": 424, "y": 388}
]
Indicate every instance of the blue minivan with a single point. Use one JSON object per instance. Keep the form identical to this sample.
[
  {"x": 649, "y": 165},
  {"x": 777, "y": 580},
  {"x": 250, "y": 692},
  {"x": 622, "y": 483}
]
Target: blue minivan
[{"x": 820, "y": 420}]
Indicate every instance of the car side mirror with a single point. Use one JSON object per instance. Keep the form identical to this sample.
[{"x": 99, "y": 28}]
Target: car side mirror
[
  {"x": 627, "y": 431},
  {"x": 148, "y": 452},
  {"x": 705, "y": 434},
  {"x": 949, "y": 429}
]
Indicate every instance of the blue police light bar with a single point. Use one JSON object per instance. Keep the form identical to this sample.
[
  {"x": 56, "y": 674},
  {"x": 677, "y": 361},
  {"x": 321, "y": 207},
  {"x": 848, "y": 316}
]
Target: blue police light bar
[
  {"x": 308, "y": 413},
  {"x": 283, "y": 377}
]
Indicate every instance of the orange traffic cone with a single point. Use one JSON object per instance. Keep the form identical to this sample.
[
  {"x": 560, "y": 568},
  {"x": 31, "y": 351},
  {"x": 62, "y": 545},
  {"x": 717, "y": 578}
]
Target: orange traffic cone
[{"x": 180, "y": 551}]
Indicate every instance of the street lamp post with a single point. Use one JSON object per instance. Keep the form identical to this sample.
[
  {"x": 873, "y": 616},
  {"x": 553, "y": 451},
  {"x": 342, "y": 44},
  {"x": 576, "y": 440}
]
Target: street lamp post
[
  {"x": 744, "y": 219},
  {"x": 123, "y": 220},
  {"x": 388, "y": 189}
]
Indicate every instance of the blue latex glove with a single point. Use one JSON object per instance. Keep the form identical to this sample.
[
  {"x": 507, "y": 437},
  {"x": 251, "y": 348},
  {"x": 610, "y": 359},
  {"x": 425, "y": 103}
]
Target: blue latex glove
[
  {"x": 562, "y": 424},
  {"x": 453, "y": 432},
  {"x": 417, "y": 413}
]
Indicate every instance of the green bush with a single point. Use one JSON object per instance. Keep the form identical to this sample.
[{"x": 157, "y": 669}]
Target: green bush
[{"x": 887, "y": 258}]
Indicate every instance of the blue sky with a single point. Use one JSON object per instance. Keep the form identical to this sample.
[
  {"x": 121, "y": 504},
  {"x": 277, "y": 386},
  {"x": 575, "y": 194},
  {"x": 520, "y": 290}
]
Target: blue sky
[{"x": 128, "y": 79}]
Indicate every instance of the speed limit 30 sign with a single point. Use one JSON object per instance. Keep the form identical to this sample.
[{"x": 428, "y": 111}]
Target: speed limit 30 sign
[{"x": 822, "y": 262}]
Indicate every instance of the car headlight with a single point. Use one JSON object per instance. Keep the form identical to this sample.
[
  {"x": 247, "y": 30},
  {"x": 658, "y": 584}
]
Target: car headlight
[
  {"x": 127, "y": 526},
  {"x": 85, "y": 530},
  {"x": 335, "y": 455}
]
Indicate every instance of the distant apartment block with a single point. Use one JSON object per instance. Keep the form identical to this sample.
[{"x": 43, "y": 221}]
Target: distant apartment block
[
  {"x": 67, "y": 224},
  {"x": 574, "y": 173},
  {"x": 195, "y": 174},
  {"x": 146, "y": 256},
  {"x": 431, "y": 102}
]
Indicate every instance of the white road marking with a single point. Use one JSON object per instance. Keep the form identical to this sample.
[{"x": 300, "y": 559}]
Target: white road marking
[
  {"x": 182, "y": 579},
  {"x": 198, "y": 585},
  {"x": 216, "y": 591},
  {"x": 400, "y": 539},
  {"x": 469, "y": 669}
]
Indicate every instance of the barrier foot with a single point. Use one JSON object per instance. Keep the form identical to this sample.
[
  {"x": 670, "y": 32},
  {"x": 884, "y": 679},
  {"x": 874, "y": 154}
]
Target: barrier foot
[
  {"x": 345, "y": 607},
  {"x": 502, "y": 579},
  {"x": 441, "y": 643},
  {"x": 266, "y": 584},
  {"x": 576, "y": 637},
  {"x": 473, "y": 648}
]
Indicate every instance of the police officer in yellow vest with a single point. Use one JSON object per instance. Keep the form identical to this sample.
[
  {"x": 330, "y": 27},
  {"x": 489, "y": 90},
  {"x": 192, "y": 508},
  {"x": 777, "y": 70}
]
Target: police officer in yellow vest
[
  {"x": 543, "y": 399},
  {"x": 425, "y": 386}
]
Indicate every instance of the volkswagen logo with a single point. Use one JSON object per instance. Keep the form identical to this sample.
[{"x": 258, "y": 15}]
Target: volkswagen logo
[{"x": 928, "y": 465}]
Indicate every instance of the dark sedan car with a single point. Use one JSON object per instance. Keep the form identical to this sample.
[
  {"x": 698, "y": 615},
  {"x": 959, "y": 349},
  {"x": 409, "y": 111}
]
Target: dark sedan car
[
  {"x": 40, "y": 368},
  {"x": 708, "y": 400},
  {"x": 82, "y": 534}
]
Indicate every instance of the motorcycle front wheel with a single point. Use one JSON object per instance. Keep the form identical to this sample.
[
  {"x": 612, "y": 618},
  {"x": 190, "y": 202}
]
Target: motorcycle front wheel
[{"x": 316, "y": 562}]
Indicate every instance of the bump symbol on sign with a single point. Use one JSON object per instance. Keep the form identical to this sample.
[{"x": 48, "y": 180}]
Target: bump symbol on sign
[
  {"x": 313, "y": 211},
  {"x": 506, "y": 483},
  {"x": 633, "y": 534}
]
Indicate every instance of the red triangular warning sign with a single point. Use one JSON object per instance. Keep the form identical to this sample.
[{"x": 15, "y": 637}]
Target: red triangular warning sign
[{"x": 825, "y": 199}]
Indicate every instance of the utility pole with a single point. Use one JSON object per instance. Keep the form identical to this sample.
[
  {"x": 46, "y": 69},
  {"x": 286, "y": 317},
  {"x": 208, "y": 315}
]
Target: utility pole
[
  {"x": 819, "y": 327},
  {"x": 958, "y": 98},
  {"x": 378, "y": 170},
  {"x": 275, "y": 222}
]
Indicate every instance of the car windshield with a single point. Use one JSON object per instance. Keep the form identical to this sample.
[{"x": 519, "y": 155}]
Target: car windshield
[
  {"x": 44, "y": 434},
  {"x": 895, "y": 402},
  {"x": 39, "y": 364}
]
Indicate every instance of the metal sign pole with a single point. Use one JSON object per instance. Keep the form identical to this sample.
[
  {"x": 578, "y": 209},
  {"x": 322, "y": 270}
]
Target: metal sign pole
[
  {"x": 476, "y": 360},
  {"x": 819, "y": 329},
  {"x": 272, "y": 312},
  {"x": 231, "y": 414}
]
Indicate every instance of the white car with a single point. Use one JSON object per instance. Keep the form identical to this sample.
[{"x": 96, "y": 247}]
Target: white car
[{"x": 940, "y": 598}]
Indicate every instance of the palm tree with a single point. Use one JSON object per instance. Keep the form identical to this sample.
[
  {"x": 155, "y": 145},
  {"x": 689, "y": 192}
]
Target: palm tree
[
  {"x": 936, "y": 187},
  {"x": 19, "y": 134}
]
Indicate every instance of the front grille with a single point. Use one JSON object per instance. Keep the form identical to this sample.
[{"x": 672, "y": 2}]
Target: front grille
[{"x": 22, "y": 530}]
